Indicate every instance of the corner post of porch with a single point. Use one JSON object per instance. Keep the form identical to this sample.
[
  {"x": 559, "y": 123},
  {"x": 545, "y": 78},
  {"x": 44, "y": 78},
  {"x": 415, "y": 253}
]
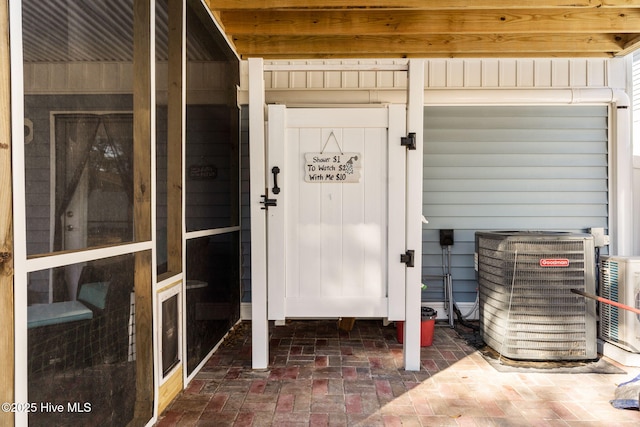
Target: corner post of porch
[
  {"x": 622, "y": 181},
  {"x": 415, "y": 112},
  {"x": 259, "y": 320}
]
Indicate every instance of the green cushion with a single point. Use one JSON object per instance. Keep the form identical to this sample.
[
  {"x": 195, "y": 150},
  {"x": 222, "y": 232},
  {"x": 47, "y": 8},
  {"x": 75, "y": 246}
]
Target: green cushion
[
  {"x": 94, "y": 294},
  {"x": 58, "y": 312}
]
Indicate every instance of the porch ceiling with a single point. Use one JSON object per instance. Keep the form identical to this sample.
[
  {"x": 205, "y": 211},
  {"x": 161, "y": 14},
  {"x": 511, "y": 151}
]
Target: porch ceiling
[{"x": 275, "y": 29}]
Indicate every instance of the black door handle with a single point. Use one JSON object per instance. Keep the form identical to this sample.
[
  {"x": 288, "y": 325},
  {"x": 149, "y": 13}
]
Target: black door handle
[{"x": 275, "y": 171}]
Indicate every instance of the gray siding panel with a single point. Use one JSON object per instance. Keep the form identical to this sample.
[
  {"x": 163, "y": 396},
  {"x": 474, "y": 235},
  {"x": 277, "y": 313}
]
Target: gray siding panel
[
  {"x": 245, "y": 207},
  {"x": 546, "y": 160},
  {"x": 508, "y": 168}
]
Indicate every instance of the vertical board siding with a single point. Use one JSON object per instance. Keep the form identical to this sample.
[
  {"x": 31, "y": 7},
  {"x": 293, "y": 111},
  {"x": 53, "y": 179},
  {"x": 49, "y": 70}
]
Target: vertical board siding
[
  {"x": 333, "y": 79},
  {"x": 450, "y": 73},
  {"x": 508, "y": 168}
]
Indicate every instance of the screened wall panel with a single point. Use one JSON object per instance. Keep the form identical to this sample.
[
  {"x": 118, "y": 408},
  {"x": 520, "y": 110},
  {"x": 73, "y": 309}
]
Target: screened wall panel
[
  {"x": 212, "y": 117},
  {"x": 161, "y": 59},
  {"x": 212, "y": 188},
  {"x": 76, "y": 201},
  {"x": 82, "y": 349},
  {"x": 212, "y": 293},
  {"x": 212, "y": 169},
  {"x": 508, "y": 168},
  {"x": 79, "y": 171}
]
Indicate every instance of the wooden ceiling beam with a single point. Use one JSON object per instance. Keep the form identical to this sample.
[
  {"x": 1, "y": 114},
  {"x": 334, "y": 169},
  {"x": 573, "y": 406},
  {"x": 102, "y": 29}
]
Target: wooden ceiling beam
[
  {"x": 461, "y": 55},
  {"x": 429, "y": 28},
  {"x": 416, "y": 4},
  {"x": 444, "y": 44},
  {"x": 629, "y": 47},
  {"x": 431, "y": 22}
]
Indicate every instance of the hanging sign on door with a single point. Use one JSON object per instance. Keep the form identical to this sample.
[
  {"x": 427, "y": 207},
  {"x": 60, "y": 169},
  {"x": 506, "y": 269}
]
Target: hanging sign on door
[{"x": 332, "y": 167}]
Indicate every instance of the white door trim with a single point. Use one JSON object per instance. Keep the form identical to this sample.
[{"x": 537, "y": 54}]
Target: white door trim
[
  {"x": 259, "y": 322},
  {"x": 415, "y": 119}
]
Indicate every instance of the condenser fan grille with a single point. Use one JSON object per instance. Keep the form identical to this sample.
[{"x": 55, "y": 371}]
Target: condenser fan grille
[{"x": 527, "y": 309}]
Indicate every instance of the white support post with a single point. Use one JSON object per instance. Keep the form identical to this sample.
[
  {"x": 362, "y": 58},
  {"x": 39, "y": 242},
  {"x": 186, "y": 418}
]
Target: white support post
[
  {"x": 622, "y": 198},
  {"x": 415, "y": 118},
  {"x": 259, "y": 322},
  {"x": 20, "y": 277}
]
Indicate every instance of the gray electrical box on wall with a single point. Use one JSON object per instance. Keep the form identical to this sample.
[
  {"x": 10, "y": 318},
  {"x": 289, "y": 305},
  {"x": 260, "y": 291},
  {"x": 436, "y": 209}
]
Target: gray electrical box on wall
[{"x": 446, "y": 237}]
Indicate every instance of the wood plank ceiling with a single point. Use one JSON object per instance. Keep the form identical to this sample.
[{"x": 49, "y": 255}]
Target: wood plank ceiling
[{"x": 289, "y": 29}]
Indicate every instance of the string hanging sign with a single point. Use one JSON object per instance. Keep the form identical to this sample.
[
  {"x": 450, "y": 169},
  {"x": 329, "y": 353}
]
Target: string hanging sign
[{"x": 332, "y": 167}]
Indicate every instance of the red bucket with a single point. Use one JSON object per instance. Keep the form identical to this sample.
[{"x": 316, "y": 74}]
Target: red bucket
[{"x": 427, "y": 327}]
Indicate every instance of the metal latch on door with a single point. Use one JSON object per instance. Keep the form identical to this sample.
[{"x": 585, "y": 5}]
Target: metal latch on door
[
  {"x": 275, "y": 190},
  {"x": 267, "y": 202}
]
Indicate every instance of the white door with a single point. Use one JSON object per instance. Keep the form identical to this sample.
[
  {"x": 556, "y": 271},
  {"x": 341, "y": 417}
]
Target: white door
[{"x": 337, "y": 178}]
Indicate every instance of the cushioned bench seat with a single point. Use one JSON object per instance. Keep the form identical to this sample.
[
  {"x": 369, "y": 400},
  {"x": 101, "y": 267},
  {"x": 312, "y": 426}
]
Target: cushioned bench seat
[
  {"x": 89, "y": 331},
  {"x": 94, "y": 294},
  {"x": 56, "y": 313}
]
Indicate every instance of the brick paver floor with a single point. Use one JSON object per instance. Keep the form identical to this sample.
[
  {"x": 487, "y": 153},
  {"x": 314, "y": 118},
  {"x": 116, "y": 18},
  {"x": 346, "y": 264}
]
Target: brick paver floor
[{"x": 321, "y": 376}]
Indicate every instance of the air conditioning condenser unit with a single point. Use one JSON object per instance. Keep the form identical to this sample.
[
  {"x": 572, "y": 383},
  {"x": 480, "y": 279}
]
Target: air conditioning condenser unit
[
  {"x": 527, "y": 310},
  {"x": 620, "y": 282}
]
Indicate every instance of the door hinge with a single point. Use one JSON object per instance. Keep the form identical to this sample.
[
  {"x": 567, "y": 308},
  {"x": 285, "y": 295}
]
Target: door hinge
[
  {"x": 409, "y": 141},
  {"x": 408, "y": 257}
]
